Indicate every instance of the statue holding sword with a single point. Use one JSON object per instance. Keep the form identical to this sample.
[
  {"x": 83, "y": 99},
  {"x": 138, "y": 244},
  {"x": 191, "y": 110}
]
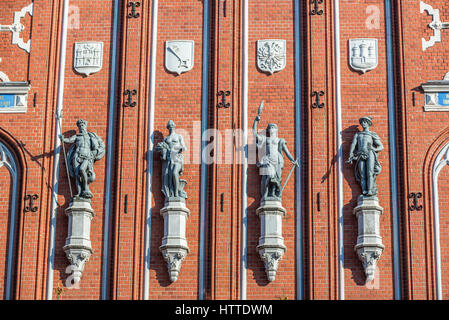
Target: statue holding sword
[{"x": 271, "y": 160}]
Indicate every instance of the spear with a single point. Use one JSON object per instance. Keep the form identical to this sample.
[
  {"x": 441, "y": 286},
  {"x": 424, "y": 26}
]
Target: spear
[
  {"x": 259, "y": 112},
  {"x": 65, "y": 155}
]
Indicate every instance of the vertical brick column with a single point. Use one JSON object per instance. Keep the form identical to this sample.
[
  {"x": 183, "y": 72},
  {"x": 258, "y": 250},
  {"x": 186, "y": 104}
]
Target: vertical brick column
[
  {"x": 224, "y": 176},
  {"x": 131, "y": 153},
  {"x": 321, "y": 255}
]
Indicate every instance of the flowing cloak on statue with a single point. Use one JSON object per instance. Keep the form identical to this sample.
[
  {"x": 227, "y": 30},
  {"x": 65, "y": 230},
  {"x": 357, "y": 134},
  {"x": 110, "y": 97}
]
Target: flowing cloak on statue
[
  {"x": 363, "y": 157},
  {"x": 270, "y": 163},
  {"x": 97, "y": 148}
]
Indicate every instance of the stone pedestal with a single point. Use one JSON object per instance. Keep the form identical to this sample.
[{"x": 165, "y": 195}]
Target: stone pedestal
[
  {"x": 174, "y": 243},
  {"x": 78, "y": 247},
  {"x": 369, "y": 245},
  {"x": 271, "y": 243}
]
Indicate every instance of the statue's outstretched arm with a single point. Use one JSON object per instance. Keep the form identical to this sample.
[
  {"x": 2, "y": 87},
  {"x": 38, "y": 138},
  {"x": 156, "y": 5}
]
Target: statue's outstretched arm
[
  {"x": 287, "y": 153},
  {"x": 72, "y": 139}
]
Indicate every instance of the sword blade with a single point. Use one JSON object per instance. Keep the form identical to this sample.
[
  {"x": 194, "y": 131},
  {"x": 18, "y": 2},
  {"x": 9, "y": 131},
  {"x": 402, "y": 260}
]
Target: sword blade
[{"x": 289, "y": 175}]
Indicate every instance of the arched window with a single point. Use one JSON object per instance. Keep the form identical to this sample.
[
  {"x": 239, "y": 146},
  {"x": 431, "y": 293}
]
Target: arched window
[{"x": 9, "y": 184}]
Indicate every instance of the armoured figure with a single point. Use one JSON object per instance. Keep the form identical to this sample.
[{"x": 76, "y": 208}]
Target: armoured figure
[
  {"x": 172, "y": 163},
  {"x": 364, "y": 150},
  {"x": 271, "y": 160},
  {"x": 86, "y": 149}
]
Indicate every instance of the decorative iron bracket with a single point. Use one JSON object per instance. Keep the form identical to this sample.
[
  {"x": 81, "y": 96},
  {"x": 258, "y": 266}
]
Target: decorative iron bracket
[
  {"x": 316, "y": 10},
  {"x": 436, "y": 25},
  {"x": 415, "y": 206},
  {"x": 30, "y": 207},
  {"x": 133, "y": 6},
  {"x": 317, "y": 103},
  {"x": 223, "y": 95},
  {"x": 130, "y": 94}
]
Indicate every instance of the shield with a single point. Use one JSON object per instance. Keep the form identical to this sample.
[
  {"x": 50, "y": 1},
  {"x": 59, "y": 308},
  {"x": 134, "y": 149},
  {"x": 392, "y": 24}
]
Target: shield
[
  {"x": 363, "y": 54},
  {"x": 88, "y": 57},
  {"x": 179, "y": 55},
  {"x": 271, "y": 56}
]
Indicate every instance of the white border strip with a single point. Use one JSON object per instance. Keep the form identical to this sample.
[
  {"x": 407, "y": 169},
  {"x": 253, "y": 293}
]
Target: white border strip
[
  {"x": 298, "y": 138},
  {"x": 110, "y": 154},
  {"x": 393, "y": 147},
  {"x": 244, "y": 229},
  {"x": 203, "y": 181},
  {"x": 147, "y": 254},
  {"x": 14, "y": 172},
  {"x": 341, "y": 253},
  {"x": 57, "y": 148},
  {"x": 438, "y": 165}
]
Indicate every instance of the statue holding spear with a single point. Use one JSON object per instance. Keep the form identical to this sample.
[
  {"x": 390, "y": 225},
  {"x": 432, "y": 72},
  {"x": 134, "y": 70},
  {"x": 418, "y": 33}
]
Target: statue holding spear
[{"x": 270, "y": 159}]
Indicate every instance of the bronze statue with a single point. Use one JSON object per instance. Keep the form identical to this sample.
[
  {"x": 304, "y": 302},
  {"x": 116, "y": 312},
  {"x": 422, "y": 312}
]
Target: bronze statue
[
  {"x": 86, "y": 149},
  {"x": 271, "y": 159},
  {"x": 364, "y": 149},
  {"x": 172, "y": 163}
]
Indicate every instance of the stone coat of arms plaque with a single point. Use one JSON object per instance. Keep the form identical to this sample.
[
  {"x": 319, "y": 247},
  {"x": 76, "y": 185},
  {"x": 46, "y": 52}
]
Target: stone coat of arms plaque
[
  {"x": 179, "y": 55},
  {"x": 363, "y": 54},
  {"x": 88, "y": 57},
  {"x": 271, "y": 56}
]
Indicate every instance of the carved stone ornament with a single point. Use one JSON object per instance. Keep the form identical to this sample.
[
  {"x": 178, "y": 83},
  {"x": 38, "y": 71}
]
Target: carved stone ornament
[
  {"x": 179, "y": 55},
  {"x": 363, "y": 54},
  {"x": 271, "y": 55},
  {"x": 17, "y": 27},
  {"x": 88, "y": 57},
  {"x": 436, "y": 25},
  {"x": 271, "y": 246},
  {"x": 78, "y": 246},
  {"x": 436, "y": 94}
]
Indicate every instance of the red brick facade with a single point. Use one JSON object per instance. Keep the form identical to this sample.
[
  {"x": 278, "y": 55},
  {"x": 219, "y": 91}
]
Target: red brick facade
[{"x": 420, "y": 137}]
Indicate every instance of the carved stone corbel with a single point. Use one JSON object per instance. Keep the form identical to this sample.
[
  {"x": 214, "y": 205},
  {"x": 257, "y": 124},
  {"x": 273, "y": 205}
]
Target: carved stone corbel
[
  {"x": 78, "y": 247},
  {"x": 369, "y": 245},
  {"x": 271, "y": 246},
  {"x": 174, "y": 247}
]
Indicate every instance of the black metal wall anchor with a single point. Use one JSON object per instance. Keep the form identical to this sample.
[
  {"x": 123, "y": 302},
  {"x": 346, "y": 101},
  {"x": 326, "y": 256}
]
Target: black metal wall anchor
[
  {"x": 30, "y": 207},
  {"x": 223, "y": 95},
  {"x": 224, "y": 8},
  {"x": 222, "y": 202},
  {"x": 415, "y": 206},
  {"x": 318, "y": 201},
  {"x": 316, "y": 10},
  {"x": 126, "y": 204},
  {"x": 133, "y": 5},
  {"x": 130, "y": 94},
  {"x": 317, "y": 103}
]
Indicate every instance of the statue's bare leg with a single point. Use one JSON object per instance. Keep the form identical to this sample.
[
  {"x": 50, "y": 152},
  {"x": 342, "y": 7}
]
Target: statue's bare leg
[
  {"x": 78, "y": 181},
  {"x": 264, "y": 187},
  {"x": 176, "y": 181},
  {"x": 83, "y": 176}
]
